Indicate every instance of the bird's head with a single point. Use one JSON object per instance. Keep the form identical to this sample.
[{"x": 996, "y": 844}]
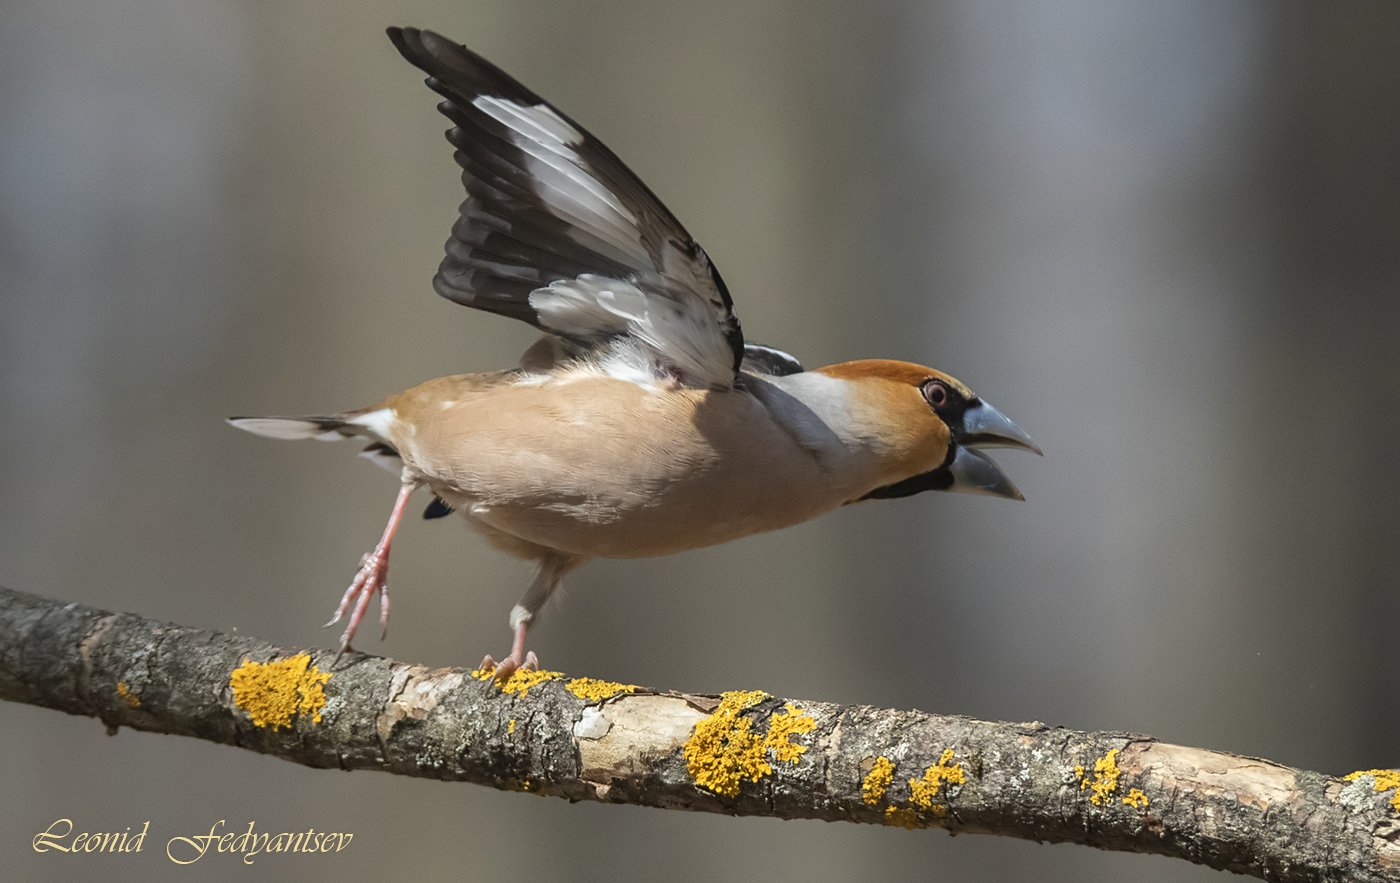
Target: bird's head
[{"x": 932, "y": 429}]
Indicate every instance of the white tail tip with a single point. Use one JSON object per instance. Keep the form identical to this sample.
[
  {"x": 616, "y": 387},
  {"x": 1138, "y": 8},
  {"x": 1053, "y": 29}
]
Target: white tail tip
[{"x": 292, "y": 428}]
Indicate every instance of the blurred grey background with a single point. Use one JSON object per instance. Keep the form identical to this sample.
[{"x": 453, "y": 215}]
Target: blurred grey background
[{"x": 1162, "y": 235}]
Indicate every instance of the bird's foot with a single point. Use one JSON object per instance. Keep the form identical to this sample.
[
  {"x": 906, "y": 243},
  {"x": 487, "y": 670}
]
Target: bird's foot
[
  {"x": 508, "y": 666},
  {"x": 370, "y": 578}
]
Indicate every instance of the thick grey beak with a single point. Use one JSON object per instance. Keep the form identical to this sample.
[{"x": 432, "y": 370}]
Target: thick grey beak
[
  {"x": 974, "y": 472},
  {"x": 985, "y": 427}
]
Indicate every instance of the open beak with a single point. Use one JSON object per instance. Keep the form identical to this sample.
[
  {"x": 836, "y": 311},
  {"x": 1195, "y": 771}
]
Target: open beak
[
  {"x": 972, "y": 471},
  {"x": 985, "y": 427}
]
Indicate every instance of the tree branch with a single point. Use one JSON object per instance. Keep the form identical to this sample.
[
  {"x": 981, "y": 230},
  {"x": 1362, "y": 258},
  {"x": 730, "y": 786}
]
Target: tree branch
[{"x": 744, "y": 753}]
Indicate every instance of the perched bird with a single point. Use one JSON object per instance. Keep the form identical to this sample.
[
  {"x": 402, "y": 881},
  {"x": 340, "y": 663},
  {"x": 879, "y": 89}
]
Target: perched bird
[{"x": 641, "y": 423}]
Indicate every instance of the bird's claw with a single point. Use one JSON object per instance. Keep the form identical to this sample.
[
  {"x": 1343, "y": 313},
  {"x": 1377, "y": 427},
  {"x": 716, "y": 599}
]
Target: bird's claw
[
  {"x": 370, "y": 578},
  {"x": 501, "y": 671}
]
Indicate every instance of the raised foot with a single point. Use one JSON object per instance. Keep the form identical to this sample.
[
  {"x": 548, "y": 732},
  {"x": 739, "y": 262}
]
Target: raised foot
[
  {"x": 508, "y": 666},
  {"x": 372, "y": 577}
]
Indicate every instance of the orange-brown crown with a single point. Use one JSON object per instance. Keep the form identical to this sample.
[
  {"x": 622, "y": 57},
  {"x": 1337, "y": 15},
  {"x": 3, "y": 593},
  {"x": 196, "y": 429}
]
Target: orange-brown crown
[
  {"x": 896, "y": 418},
  {"x": 907, "y": 373}
]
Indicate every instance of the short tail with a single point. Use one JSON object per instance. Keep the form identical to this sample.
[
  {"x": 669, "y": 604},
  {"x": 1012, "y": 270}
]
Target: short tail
[
  {"x": 380, "y": 453},
  {"x": 333, "y": 428},
  {"x": 319, "y": 428}
]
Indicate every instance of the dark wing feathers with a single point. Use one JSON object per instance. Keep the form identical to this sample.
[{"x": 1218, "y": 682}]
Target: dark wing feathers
[
  {"x": 438, "y": 508},
  {"x": 760, "y": 359},
  {"x": 558, "y": 232}
]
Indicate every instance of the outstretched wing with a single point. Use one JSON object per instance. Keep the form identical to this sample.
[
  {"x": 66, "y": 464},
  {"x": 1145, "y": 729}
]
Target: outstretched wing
[{"x": 556, "y": 231}]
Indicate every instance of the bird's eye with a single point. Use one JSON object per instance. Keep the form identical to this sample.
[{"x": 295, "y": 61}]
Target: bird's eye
[{"x": 936, "y": 393}]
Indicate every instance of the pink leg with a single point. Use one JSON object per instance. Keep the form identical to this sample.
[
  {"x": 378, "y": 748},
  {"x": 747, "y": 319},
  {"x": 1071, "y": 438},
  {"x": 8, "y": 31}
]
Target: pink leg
[
  {"x": 518, "y": 658},
  {"x": 371, "y": 577},
  {"x": 552, "y": 570}
]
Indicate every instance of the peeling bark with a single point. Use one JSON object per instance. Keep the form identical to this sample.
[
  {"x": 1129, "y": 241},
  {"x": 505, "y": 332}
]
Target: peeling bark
[{"x": 789, "y": 758}]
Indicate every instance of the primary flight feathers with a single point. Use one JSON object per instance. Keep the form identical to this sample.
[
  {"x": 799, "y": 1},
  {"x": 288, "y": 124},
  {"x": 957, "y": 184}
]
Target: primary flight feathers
[{"x": 556, "y": 231}]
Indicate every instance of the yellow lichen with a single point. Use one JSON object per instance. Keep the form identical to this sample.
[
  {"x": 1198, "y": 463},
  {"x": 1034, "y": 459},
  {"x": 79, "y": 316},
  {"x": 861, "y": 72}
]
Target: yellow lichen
[
  {"x": 271, "y": 693},
  {"x": 1105, "y": 779},
  {"x": 520, "y": 680},
  {"x": 782, "y": 727},
  {"x": 594, "y": 690},
  {"x": 1135, "y": 798},
  {"x": 724, "y": 751},
  {"x": 129, "y": 697},
  {"x": 1386, "y": 780},
  {"x": 510, "y": 728},
  {"x": 922, "y": 791},
  {"x": 901, "y": 817},
  {"x": 741, "y": 699},
  {"x": 877, "y": 781}
]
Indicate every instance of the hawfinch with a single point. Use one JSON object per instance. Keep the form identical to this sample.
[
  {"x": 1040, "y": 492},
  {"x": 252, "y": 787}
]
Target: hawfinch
[{"x": 641, "y": 423}]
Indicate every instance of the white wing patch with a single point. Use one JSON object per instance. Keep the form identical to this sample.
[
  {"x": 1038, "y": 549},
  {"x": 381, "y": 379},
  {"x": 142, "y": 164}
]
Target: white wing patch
[
  {"x": 592, "y": 305},
  {"x": 540, "y": 119},
  {"x": 560, "y": 178}
]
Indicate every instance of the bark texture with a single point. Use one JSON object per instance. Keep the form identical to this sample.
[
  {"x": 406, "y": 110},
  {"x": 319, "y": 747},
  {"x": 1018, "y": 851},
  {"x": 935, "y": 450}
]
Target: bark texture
[{"x": 744, "y": 753}]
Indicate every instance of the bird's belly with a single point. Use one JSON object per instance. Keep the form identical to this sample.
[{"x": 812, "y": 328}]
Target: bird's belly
[
  {"x": 624, "y": 477},
  {"x": 637, "y": 527},
  {"x": 640, "y": 525}
]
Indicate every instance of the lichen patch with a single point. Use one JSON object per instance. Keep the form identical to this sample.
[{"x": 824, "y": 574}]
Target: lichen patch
[
  {"x": 1383, "y": 780},
  {"x": 520, "y": 680},
  {"x": 901, "y": 817},
  {"x": 1135, "y": 798},
  {"x": 272, "y": 693},
  {"x": 724, "y": 751},
  {"x": 1104, "y": 782},
  {"x": 130, "y": 698},
  {"x": 877, "y": 781},
  {"x": 594, "y": 690},
  {"x": 783, "y": 727},
  {"x": 945, "y": 775}
]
